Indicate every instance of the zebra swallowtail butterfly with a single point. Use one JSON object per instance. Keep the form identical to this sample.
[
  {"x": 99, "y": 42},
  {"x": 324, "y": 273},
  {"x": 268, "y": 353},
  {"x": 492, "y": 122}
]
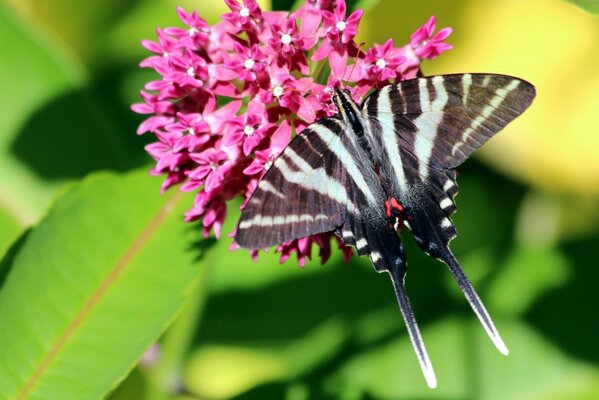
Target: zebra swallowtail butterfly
[{"x": 389, "y": 161}]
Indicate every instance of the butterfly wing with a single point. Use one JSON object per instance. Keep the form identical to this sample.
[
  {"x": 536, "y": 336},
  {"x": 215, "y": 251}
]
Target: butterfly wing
[
  {"x": 314, "y": 186},
  {"x": 425, "y": 128}
]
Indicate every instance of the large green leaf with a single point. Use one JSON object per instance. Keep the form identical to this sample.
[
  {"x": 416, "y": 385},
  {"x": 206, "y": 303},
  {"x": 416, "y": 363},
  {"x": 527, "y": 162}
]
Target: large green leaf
[{"x": 93, "y": 286}]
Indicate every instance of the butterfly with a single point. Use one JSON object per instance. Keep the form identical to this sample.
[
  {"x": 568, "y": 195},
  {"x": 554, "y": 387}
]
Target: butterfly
[{"x": 386, "y": 163}]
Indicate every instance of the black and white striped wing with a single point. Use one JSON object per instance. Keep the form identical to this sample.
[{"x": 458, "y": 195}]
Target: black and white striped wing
[
  {"x": 425, "y": 128},
  {"x": 443, "y": 119},
  {"x": 429, "y": 126},
  {"x": 309, "y": 189}
]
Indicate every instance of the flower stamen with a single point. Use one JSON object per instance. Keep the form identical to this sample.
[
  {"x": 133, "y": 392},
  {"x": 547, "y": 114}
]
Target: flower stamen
[
  {"x": 249, "y": 130},
  {"x": 249, "y": 63},
  {"x": 278, "y": 91}
]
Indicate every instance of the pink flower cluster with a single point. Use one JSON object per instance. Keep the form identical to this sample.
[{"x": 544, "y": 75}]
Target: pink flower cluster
[{"x": 231, "y": 95}]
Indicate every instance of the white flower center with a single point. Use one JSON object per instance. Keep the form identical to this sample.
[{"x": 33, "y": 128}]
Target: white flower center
[
  {"x": 341, "y": 25},
  {"x": 244, "y": 12},
  {"x": 278, "y": 91},
  {"x": 191, "y": 131},
  {"x": 422, "y": 44},
  {"x": 213, "y": 165},
  {"x": 381, "y": 63},
  {"x": 165, "y": 54},
  {"x": 249, "y": 63},
  {"x": 190, "y": 71},
  {"x": 192, "y": 31},
  {"x": 286, "y": 38},
  {"x": 248, "y": 130}
]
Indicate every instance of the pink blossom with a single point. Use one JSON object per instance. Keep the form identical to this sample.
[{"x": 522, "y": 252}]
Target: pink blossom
[
  {"x": 196, "y": 36},
  {"x": 382, "y": 62},
  {"x": 250, "y": 128},
  {"x": 340, "y": 33},
  {"x": 243, "y": 16},
  {"x": 264, "y": 158},
  {"x": 338, "y": 27},
  {"x": 310, "y": 15},
  {"x": 230, "y": 97},
  {"x": 427, "y": 45},
  {"x": 248, "y": 63}
]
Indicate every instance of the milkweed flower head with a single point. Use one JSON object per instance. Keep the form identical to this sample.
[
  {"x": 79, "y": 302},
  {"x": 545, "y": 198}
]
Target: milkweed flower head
[{"x": 230, "y": 96}]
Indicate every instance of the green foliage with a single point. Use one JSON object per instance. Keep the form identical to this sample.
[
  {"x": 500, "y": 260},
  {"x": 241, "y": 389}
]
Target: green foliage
[
  {"x": 92, "y": 287},
  {"x": 590, "y": 6},
  {"x": 98, "y": 267}
]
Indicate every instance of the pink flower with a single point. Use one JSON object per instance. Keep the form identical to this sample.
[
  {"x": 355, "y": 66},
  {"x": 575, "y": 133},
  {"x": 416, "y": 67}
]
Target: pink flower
[
  {"x": 212, "y": 167},
  {"x": 264, "y": 158},
  {"x": 230, "y": 96},
  {"x": 382, "y": 62},
  {"x": 196, "y": 36},
  {"x": 248, "y": 63},
  {"x": 286, "y": 40},
  {"x": 250, "y": 128},
  {"x": 427, "y": 45},
  {"x": 310, "y": 15},
  {"x": 243, "y": 16},
  {"x": 339, "y": 38},
  {"x": 340, "y": 28},
  {"x": 187, "y": 69}
]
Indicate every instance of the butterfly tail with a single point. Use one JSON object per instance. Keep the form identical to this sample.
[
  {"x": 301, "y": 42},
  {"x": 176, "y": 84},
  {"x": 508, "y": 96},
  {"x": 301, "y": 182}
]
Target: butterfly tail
[
  {"x": 387, "y": 254},
  {"x": 477, "y": 306},
  {"x": 415, "y": 337}
]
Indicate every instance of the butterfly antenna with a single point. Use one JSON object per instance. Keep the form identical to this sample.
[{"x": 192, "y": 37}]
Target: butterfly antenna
[
  {"x": 351, "y": 72},
  {"x": 475, "y": 302},
  {"x": 397, "y": 277}
]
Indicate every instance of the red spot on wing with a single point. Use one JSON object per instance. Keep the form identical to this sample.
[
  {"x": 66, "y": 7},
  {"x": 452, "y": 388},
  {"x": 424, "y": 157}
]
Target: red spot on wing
[{"x": 395, "y": 212}]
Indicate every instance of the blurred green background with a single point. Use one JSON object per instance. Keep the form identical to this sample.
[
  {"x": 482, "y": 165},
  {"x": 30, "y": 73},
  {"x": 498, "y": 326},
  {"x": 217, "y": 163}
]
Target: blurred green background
[{"x": 528, "y": 214}]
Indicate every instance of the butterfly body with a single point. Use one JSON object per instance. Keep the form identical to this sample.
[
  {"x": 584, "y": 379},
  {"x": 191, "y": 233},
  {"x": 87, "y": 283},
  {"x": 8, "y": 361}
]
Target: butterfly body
[{"x": 387, "y": 162}]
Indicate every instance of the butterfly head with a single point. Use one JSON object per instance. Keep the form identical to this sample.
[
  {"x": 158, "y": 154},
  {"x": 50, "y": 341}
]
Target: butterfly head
[{"x": 343, "y": 101}]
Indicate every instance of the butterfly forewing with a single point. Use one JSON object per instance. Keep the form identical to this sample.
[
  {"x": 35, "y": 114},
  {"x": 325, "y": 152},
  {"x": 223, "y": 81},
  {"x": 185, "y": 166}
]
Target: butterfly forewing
[{"x": 443, "y": 119}]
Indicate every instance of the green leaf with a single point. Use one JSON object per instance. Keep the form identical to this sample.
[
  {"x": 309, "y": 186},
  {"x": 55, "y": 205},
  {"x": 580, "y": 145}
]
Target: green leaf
[
  {"x": 36, "y": 71},
  {"x": 9, "y": 229},
  {"x": 93, "y": 286},
  {"x": 529, "y": 272},
  {"x": 467, "y": 366},
  {"x": 590, "y": 6}
]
